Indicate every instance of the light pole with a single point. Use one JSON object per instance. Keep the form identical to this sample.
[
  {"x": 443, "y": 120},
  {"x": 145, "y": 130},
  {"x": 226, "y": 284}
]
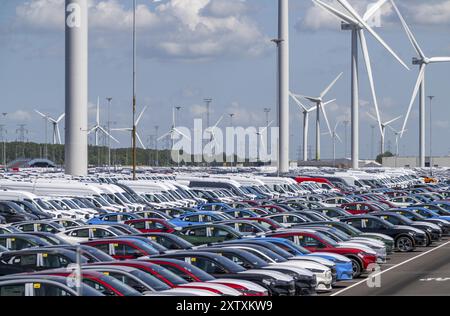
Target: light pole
[
  {"x": 232, "y": 115},
  {"x": 431, "y": 97},
  {"x": 4, "y": 136},
  {"x": 178, "y": 108},
  {"x": 156, "y": 146},
  {"x": 109, "y": 99}
]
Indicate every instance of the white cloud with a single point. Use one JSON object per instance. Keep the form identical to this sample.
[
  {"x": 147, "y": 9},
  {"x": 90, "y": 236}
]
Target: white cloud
[
  {"x": 20, "y": 116},
  {"x": 431, "y": 13},
  {"x": 176, "y": 29}
]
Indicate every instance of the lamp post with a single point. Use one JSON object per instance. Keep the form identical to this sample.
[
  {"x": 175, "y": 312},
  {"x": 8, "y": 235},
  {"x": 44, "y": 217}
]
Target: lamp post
[{"x": 431, "y": 97}]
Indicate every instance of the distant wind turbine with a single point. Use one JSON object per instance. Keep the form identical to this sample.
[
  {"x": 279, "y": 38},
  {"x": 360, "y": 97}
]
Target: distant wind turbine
[
  {"x": 130, "y": 129},
  {"x": 55, "y": 123},
  {"x": 98, "y": 128},
  {"x": 383, "y": 129},
  {"x": 305, "y": 112},
  {"x": 320, "y": 107}
]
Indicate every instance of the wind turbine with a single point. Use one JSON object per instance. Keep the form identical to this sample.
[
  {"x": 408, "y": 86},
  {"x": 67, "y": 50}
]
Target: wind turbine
[
  {"x": 334, "y": 136},
  {"x": 55, "y": 123},
  {"x": 422, "y": 61},
  {"x": 260, "y": 135},
  {"x": 398, "y": 135},
  {"x": 383, "y": 129},
  {"x": 98, "y": 128},
  {"x": 130, "y": 129},
  {"x": 174, "y": 131},
  {"x": 358, "y": 25},
  {"x": 212, "y": 131},
  {"x": 305, "y": 112},
  {"x": 320, "y": 107}
]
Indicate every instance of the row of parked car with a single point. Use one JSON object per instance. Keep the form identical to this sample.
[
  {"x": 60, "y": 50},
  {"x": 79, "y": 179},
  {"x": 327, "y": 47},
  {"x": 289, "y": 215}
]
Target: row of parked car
[{"x": 232, "y": 243}]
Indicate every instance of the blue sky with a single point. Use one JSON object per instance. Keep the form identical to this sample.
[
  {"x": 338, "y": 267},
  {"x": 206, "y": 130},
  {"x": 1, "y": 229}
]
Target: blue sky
[{"x": 192, "y": 49}]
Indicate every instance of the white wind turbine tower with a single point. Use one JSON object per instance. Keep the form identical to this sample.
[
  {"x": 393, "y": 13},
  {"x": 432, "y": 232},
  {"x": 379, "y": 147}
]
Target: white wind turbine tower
[
  {"x": 358, "y": 25},
  {"x": 98, "y": 128},
  {"x": 130, "y": 129},
  {"x": 305, "y": 112},
  {"x": 261, "y": 143},
  {"x": 383, "y": 129},
  {"x": 422, "y": 61},
  {"x": 55, "y": 123},
  {"x": 320, "y": 107}
]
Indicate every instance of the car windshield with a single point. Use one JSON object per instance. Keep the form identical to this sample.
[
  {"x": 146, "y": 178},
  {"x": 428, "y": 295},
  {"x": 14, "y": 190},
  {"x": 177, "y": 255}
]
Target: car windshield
[
  {"x": 327, "y": 239},
  {"x": 150, "y": 280}
]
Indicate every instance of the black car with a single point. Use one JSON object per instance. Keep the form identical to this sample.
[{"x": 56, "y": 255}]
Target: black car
[
  {"x": 305, "y": 283},
  {"x": 434, "y": 233},
  {"x": 221, "y": 267},
  {"x": 41, "y": 285},
  {"x": 15, "y": 242},
  {"x": 39, "y": 226},
  {"x": 406, "y": 238},
  {"x": 37, "y": 259},
  {"x": 170, "y": 241},
  {"x": 13, "y": 213},
  {"x": 92, "y": 254},
  {"x": 410, "y": 214},
  {"x": 30, "y": 208},
  {"x": 50, "y": 238}
]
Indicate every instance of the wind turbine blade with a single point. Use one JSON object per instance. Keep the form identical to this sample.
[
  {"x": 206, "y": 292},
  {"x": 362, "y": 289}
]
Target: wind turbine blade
[
  {"x": 392, "y": 129},
  {"x": 218, "y": 122},
  {"x": 372, "y": 117},
  {"x": 439, "y": 60},
  {"x": 182, "y": 134},
  {"x": 265, "y": 128},
  {"x": 60, "y": 117},
  {"x": 336, "y": 13},
  {"x": 419, "y": 81},
  {"x": 140, "y": 115},
  {"x": 373, "y": 9},
  {"x": 329, "y": 102},
  {"x": 392, "y": 121},
  {"x": 370, "y": 75},
  {"x": 41, "y": 114},
  {"x": 366, "y": 26},
  {"x": 324, "y": 112},
  {"x": 330, "y": 86},
  {"x": 338, "y": 138},
  {"x": 294, "y": 97},
  {"x": 108, "y": 134},
  {"x": 126, "y": 129},
  {"x": 140, "y": 141},
  {"x": 165, "y": 136},
  {"x": 409, "y": 33},
  {"x": 336, "y": 126}
]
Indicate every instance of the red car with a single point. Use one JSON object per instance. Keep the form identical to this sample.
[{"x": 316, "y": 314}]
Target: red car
[
  {"x": 171, "y": 279},
  {"x": 360, "y": 208},
  {"x": 106, "y": 285},
  {"x": 123, "y": 249},
  {"x": 316, "y": 242},
  {"x": 151, "y": 225},
  {"x": 193, "y": 274}
]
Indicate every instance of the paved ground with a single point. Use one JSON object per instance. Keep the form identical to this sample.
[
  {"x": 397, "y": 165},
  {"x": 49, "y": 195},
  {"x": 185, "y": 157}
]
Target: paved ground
[{"x": 423, "y": 272}]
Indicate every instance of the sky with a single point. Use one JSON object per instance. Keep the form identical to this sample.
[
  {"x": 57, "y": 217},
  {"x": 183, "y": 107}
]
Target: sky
[{"x": 189, "y": 50}]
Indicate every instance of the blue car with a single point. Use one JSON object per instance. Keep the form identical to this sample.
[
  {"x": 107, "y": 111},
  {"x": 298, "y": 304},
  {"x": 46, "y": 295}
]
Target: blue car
[
  {"x": 199, "y": 218},
  {"x": 428, "y": 213},
  {"x": 344, "y": 268},
  {"x": 112, "y": 218},
  {"x": 240, "y": 213}
]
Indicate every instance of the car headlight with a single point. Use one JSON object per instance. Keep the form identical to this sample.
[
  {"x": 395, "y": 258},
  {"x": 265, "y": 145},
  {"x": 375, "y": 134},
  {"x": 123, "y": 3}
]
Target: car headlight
[
  {"x": 364, "y": 254},
  {"x": 412, "y": 234}
]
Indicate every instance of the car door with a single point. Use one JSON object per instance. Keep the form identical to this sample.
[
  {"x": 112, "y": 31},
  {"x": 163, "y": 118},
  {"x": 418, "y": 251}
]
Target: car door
[
  {"x": 44, "y": 289},
  {"x": 52, "y": 261},
  {"x": 126, "y": 251},
  {"x": 207, "y": 265},
  {"x": 309, "y": 242},
  {"x": 218, "y": 234},
  {"x": 196, "y": 236},
  {"x": 78, "y": 235}
]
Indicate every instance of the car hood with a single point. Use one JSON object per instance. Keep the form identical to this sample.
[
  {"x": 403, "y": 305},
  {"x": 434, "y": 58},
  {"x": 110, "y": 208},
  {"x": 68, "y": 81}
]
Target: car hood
[
  {"x": 429, "y": 225},
  {"x": 302, "y": 265},
  {"x": 273, "y": 274},
  {"x": 329, "y": 254},
  {"x": 317, "y": 259},
  {"x": 416, "y": 230}
]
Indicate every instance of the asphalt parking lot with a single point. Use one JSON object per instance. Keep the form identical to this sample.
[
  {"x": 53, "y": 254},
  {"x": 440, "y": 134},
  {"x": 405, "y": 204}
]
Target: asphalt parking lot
[{"x": 424, "y": 272}]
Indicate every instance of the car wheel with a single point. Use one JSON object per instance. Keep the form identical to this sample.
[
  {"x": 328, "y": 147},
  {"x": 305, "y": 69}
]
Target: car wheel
[
  {"x": 357, "y": 267},
  {"x": 405, "y": 244},
  {"x": 429, "y": 240}
]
